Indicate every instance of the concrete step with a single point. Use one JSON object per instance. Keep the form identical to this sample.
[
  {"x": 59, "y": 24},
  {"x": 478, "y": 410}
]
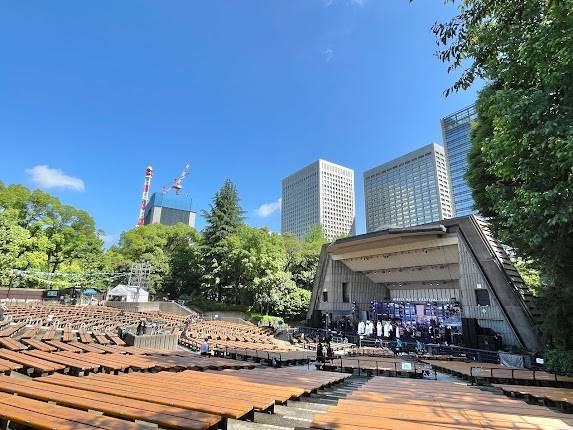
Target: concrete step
[
  {"x": 287, "y": 421},
  {"x": 304, "y": 408},
  {"x": 247, "y": 425}
]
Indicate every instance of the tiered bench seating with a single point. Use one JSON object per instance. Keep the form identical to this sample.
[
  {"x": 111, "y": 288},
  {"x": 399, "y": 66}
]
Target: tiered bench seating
[
  {"x": 42, "y": 415},
  {"x": 494, "y": 373},
  {"x": 88, "y": 317},
  {"x": 406, "y": 404},
  {"x": 246, "y": 341},
  {"x": 555, "y": 397},
  {"x": 163, "y": 415}
]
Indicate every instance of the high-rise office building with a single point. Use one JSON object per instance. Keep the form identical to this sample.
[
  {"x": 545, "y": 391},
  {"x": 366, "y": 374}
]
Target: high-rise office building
[
  {"x": 169, "y": 209},
  {"x": 321, "y": 193},
  {"x": 456, "y": 134},
  {"x": 409, "y": 190}
]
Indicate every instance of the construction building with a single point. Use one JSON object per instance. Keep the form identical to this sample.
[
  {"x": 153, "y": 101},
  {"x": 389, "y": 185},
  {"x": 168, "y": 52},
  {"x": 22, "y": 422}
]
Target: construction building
[{"x": 169, "y": 209}]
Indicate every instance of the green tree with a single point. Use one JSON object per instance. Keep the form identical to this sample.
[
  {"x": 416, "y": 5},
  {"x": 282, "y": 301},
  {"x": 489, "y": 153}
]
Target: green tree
[
  {"x": 303, "y": 256},
  {"x": 224, "y": 218},
  {"x": 59, "y": 237},
  {"x": 521, "y": 164},
  {"x": 13, "y": 238},
  {"x": 171, "y": 251}
]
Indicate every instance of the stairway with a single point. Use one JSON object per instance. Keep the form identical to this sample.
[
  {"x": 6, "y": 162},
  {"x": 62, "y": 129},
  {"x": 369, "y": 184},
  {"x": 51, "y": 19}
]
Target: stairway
[{"x": 299, "y": 413}]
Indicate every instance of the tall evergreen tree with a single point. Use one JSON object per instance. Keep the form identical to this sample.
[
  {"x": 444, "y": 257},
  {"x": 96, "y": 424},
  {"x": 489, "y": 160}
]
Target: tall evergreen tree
[{"x": 224, "y": 218}]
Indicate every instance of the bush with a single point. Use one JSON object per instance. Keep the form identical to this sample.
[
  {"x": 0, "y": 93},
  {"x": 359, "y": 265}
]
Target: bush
[
  {"x": 560, "y": 362},
  {"x": 265, "y": 319}
]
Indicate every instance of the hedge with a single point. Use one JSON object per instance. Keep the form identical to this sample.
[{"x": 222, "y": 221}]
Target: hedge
[{"x": 560, "y": 362}]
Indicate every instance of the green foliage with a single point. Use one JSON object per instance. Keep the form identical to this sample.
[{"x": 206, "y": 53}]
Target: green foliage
[
  {"x": 173, "y": 252},
  {"x": 303, "y": 255},
  {"x": 223, "y": 219},
  {"x": 530, "y": 275},
  {"x": 560, "y": 362},
  {"x": 521, "y": 163},
  {"x": 38, "y": 232},
  {"x": 265, "y": 319}
]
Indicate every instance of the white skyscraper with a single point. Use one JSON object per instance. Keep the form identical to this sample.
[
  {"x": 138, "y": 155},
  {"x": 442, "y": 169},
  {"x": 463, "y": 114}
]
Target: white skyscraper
[
  {"x": 321, "y": 193},
  {"x": 409, "y": 190}
]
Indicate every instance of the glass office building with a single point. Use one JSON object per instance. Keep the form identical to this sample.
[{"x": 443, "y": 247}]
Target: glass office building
[
  {"x": 410, "y": 190},
  {"x": 456, "y": 135}
]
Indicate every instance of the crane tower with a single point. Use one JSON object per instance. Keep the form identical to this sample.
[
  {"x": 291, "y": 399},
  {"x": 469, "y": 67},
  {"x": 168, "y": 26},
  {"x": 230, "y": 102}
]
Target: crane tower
[{"x": 145, "y": 195}]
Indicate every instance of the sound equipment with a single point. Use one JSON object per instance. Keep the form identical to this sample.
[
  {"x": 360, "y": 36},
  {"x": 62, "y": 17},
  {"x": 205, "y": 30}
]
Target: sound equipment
[{"x": 470, "y": 331}]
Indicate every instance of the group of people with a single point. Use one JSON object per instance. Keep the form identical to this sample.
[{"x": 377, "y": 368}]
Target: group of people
[
  {"x": 145, "y": 326},
  {"x": 420, "y": 332},
  {"x": 324, "y": 351}
]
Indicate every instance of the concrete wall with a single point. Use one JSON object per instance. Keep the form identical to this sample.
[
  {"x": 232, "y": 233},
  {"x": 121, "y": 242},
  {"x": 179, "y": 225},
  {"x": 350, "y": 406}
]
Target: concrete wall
[
  {"x": 360, "y": 289},
  {"x": 166, "y": 342},
  {"x": 491, "y": 316},
  {"x": 170, "y": 307}
]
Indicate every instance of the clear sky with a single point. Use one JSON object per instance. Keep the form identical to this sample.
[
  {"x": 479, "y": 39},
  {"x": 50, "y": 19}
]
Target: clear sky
[{"x": 93, "y": 92}]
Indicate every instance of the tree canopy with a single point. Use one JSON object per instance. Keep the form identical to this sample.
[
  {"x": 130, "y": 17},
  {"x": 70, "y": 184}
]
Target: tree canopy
[{"x": 521, "y": 163}]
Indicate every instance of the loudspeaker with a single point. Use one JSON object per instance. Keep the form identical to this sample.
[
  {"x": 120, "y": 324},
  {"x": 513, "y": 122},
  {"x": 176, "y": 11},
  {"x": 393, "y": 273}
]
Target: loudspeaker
[
  {"x": 470, "y": 332},
  {"x": 488, "y": 342}
]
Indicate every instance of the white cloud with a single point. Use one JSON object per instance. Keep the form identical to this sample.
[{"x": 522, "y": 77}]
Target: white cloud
[
  {"x": 45, "y": 177},
  {"x": 328, "y": 54},
  {"x": 267, "y": 209}
]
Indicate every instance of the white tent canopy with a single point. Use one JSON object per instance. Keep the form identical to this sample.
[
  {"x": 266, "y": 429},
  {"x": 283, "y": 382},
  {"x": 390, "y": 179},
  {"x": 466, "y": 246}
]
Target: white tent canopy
[{"x": 128, "y": 293}]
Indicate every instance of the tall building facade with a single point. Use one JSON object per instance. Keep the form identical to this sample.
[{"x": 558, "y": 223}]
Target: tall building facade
[
  {"x": 320, "y": 193},
  {"x": 456, "y": 135},
  {"x": 169, "y": 209},
  {"x": 409, "y": 190}
]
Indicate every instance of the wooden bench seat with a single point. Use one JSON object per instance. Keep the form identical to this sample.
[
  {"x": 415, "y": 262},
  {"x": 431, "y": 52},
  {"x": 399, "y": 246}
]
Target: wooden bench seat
[
  {"x": 232, "y": 393},
  {"x": 68, "y": 335},
  {"x": 36, "y": 344},
  {"x": 33, "y": 364},
  {"x": 42, "y": 415},
  {"x": 63, "y": 346},
  {"x": 85, "y": 337},
  {"x": 30, "y": 333},
  {"x": 200, "y": 403},
  {"x": 7, "y": 366},
  {"x": 76, "y": 365},
  {"x": 9, "y": 330},
  {"x": 11, "y": 344},
  {"x": 50, "y": 334},
  {"x": 95, "y": 359},
  {"x": 115, "y": 339},
  {"x": 86, "y": 347},
  {"x": 164, "y": 416}
]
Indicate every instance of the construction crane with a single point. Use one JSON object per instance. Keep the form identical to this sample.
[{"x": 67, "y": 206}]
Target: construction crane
[
  {"x": 145, "y": 195},
  {"x": 176, "y": 185}
]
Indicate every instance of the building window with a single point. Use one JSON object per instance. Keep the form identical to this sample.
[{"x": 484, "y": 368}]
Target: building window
[
  {"x": 482, "y": 297},
  {"x": 325, "y": 296},
  {"x": 345, "y": 293}
]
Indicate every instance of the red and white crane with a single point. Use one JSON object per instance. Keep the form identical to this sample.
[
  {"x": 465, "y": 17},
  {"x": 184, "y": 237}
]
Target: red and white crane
[
  {"x": 145, "y": 195},
  {"x": 176, "y": 185}
]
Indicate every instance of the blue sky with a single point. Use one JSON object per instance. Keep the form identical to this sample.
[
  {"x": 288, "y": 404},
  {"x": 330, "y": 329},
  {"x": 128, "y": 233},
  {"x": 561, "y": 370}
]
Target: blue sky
[{"x": 93, "y": 92}]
